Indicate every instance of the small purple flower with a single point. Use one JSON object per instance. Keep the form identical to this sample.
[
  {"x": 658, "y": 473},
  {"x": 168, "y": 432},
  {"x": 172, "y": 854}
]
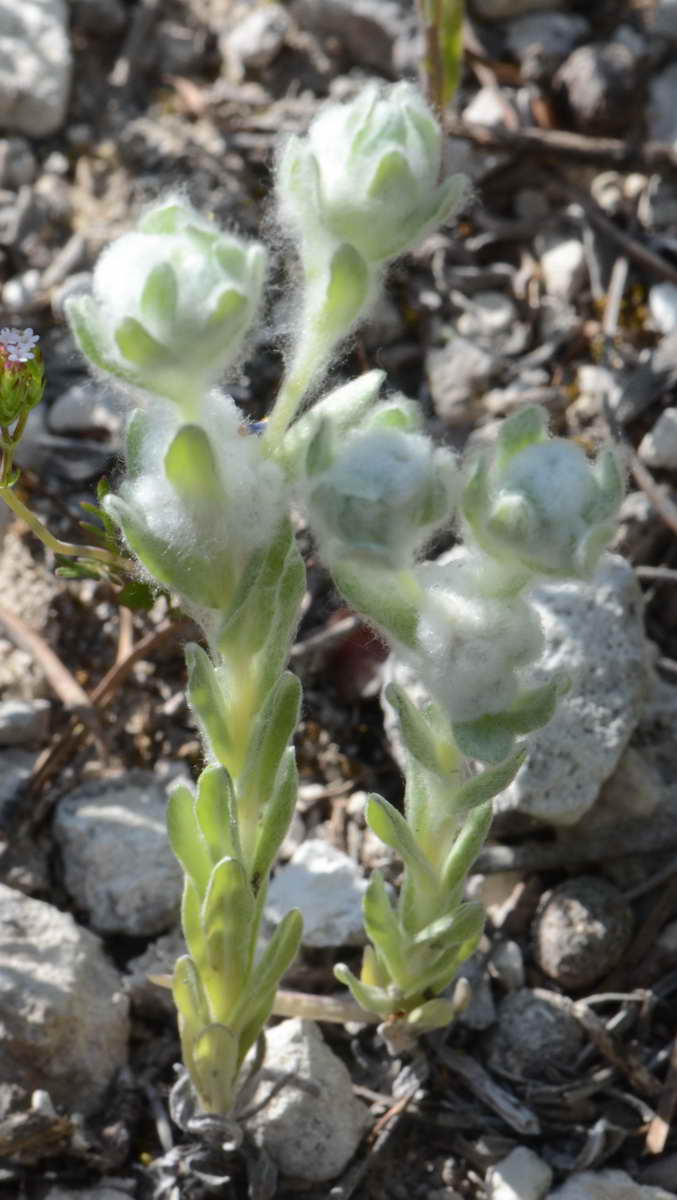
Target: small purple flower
[{"x": 18, "y": 344}]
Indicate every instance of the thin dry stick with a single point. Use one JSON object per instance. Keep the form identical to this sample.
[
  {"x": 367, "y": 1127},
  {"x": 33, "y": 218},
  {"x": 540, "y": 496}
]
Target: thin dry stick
[
  {"x": 575, "y": 147},
  {"x": 657, "y": 1133}
]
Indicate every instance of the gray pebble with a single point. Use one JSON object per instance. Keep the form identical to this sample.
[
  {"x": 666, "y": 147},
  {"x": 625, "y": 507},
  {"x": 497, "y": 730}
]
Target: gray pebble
[{"x": 581, "y": 929}]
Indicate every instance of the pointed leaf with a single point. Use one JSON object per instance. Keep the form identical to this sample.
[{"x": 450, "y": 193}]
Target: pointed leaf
[
  {"x": 185, "y": 836},
  {"x": 467, "y": 845},
  {"x": 522, "y": 429},
  {"x": 215, "y": 1064},
  {"x": 216, "y": 813},
  {"x": 347, "y": 292},
  {"x": 372, "y": 593},
  {"x": 159, "y": 298},
  {"x": 416, "y": 733},
  {"x": 371, "y": 999},
  {"x": 272, "y": 733},
  {"x": 208, "y": 701},
  {"x": 190, "y": 467},
  {"x": 139, "y": 346},
  {"x": 434, "y": 1014},
  {"x": 276, "y": 820},
  {"x": 390, "y": 826},
  {"x": 489, "y": 782}
]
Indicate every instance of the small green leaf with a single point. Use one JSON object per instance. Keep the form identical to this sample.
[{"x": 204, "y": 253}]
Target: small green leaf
[
  {"x": 207, "y": 699},
  {"x": 383, "y": 928},
  {"x": 376, "y": 595},
  {"x": 185, "y": 836},
  {"x": 159, "y": 298},
  {"x": 371, "y": 999},
  {"x": 138, "y": 346},
  {"x": 191, "y": 468},
  {"x": 215, "y": 1064},
  {"x": 347, "y": 292},
  {"x": 453, "y": 929},
  {"x": 416, "y": 733},
  {"x": 276, "y": 819},
  {"x": 226, "y": 916},
  {"x": 489, "y": 782},
  {"x": 189, "y": 995},
  {"x": 229, "y": 308},
  {"x": 390, "y": 826},
  {"x": 467, "y": 845},
  {"x": 277, "y": 957},
  {"x": 434, "y": 1014},
  {"x": 137, "y": 595},
  {"x": 216, "y": 813},
  {"x": 522, "y": 429},
  {"x": 273, "y": 730}
]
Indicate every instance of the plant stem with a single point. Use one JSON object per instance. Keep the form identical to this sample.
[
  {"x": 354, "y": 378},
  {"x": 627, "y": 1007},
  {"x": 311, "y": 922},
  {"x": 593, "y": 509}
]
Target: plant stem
[{"x": 69, "y": 549}]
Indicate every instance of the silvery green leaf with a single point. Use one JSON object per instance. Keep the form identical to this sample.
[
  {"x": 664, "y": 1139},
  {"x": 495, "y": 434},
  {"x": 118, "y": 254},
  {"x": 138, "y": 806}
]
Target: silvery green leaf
[
  {"x": 185, "y": 836},
  {"x": 390, "y": 826},
  {"x": 191, "y": 925},
  {"x": 489, "y": 782},
  {"x": 278, "y": 955},
  {"x": 520, "y": 430},
  {"x": 467, "y": 845},
  {"x": 226, "y": 917},
  {"x": 490, "y": 738},
  {"x": 371, "y": 999},
  {"x": 276, "y": 819},
  {"x": 208, "y": 701},
  {"x": 159, "y": 297},
  {"x": 452, "y": 929},
  {"x": 320, "y": 449},
  {"x": 416, "y": 732},
  {"x": 346, "y": 294},
  {"x": 275, "y": 652},
  {"x": 83, "y": 317},
  {"x": 216, "y": 813},
  {"x": 215, "y": 1063},
  {"x": 270, "y": 737},
  {"x": 138, "y": 346},
  {"x": 375, "y": 594},
  {"x": 434, "y": 1014},
  {"x": 383, "y": 929},
  {"x": 191, "y": 468},
  {"x": 189, "y": 995}
]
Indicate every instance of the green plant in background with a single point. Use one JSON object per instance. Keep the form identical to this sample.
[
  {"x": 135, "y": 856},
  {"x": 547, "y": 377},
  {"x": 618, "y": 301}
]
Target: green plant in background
[
  {"x": 204, "y": 509},
  {"x": 441, "y": 23}
]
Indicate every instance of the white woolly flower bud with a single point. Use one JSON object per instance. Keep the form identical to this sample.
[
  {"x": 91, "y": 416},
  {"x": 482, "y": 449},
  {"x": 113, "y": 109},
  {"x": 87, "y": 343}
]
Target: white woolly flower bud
[
  {"x": 381, "y": 498},
  {"x": 540, "y": 504},
  {"x": 368, "y": 174},
  {"x": 200, "y": 499},
  {"x": 473, "y": 647},
  {"x": 171, "y": 302}
]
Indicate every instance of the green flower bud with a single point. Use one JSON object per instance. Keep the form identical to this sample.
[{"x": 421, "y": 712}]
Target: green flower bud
[
  {"x": 171, "y": 302},
  {"x": 22, "y": 376},
  {"x": 540, "y": 505},
  {"x": 368, "y": 174},
  {"x": 381, "y": 498}
]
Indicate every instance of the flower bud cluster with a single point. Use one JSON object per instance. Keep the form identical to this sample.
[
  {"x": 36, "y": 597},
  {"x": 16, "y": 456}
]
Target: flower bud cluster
[
  {"x": 22, "y": 380},
  {"x": 368, "y": 174},
  {"x": 172, "y": 302}
]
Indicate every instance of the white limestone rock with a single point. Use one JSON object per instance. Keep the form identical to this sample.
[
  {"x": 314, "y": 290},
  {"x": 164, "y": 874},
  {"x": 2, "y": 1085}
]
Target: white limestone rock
[
  {"x": 312, "y": 1127},
  {"x": 118, "y": 865},
  {"x": 520, "y": 1176},
  {"x": 607, "y": 1185},
  {"x": 35, "y": 66},
  {"x": 663, "y": 306},
  {"x": 594, "y": 634},
  {"x": 563, "y": 264},
  {"x": 658, "y": 447},
  {"x": 63, "y": 1019},
  {"x": 327, "y": 886}
]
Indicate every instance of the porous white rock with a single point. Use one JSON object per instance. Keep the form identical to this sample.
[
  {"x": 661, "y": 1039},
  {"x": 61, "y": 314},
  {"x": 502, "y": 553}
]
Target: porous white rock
[
  {"x": 313, "y": 1125},
  {"x": 35, "y": 66},
  {"x": 486, "y": 108},
  {"x": 594, "y": 635},
  {"x": 658, "y": 447},
  {"x": 63, "y": 1019},
  {"x": 607, "y": 1185},
  {"x": 520, "y": 1176},
  {"x": 117, "y": 862},
  {"x": 327, "y": 886}
]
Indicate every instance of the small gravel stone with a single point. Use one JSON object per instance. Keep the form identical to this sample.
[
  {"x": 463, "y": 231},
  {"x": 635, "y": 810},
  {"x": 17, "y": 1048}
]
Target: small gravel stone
[
  {"x": 327, "y": 886},
  {"x": 599, "y": 82},
  {"x": 486, "y": 108},
  {"x": 506, "y": 964},
  {"x": 20, "y": 294},
  {"x": 534, "y": 1031},
  {"x": 63, "y": 1018},
  {"x": 563, "y": 264},
  {"x": 607, "y": 1185},
  {"x": 86, "y": 406},
  {"x": 312, "y": 1126},
  {"x": 581, "y": 930},
  {"x": 18, "y": 164},
  {"x": 117, "y": 862},
  {"x": 457, "y": 374},
  {"x": 520, "y": 1176},
  {"x": 663, "y": 306},
  {"x": 366, "y": 29},
  {"x": 658, "y": 447}
]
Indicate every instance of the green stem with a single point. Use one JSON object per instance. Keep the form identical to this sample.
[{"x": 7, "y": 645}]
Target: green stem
[{"x": 68, "y": 549}]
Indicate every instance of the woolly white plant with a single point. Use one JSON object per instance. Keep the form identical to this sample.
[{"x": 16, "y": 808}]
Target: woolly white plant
[{"x": 204, "y": 509}]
